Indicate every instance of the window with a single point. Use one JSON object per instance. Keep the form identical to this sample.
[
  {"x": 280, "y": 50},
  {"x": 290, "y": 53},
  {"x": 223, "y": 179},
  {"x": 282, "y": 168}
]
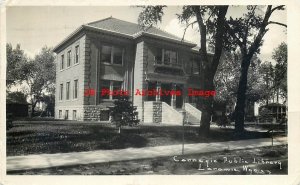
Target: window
[
  {"x": 158, "y": 56},
  {"x": 75, "y": 92},
  {"x": 61, "y": 90},
  {"x": 77, "y": 54},
  {"x": 107, "y": 88},
  {"x": 106, "y": 54},
  {"x": 60, "y": 114},
  {"x": 62, "y": 61},
  {"x": 170, "y": 57},
  {"x": 69, "y": 59},
  {"x": 104, "y": 86},
  {"x": 67, "y": 114},
  {"x": 68, "y": 91},
  {"x": 118, "y": 56},
  {"x": 116, "y": 86},
  {"x": 74, "y": 115},
  {"x": 195, "y": 67},
  {"x": 112, "y": 55}
]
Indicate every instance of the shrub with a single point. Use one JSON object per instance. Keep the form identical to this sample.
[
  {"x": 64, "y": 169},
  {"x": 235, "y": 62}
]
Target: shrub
[{"x": 124, "y": 113}]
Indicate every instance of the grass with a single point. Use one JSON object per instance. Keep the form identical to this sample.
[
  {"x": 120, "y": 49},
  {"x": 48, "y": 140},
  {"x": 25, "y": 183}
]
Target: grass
[
  {"x": 37, "y": 137},
  {"x": 167, "y": 165}
]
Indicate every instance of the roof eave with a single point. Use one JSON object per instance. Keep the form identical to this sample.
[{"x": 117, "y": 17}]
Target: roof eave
[
  {"x": 55, "y": 49},
  {"x": 135, "y": 36},
  {"x": 89, "y": 27},
  {"x": 189, "y": 44}
]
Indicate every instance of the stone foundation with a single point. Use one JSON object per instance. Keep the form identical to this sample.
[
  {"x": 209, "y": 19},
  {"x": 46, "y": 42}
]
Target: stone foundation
[
  {"x": 93, "y": 113},
  {"x": 153, "y": 112},
  {"x": 157, "y": 112}
]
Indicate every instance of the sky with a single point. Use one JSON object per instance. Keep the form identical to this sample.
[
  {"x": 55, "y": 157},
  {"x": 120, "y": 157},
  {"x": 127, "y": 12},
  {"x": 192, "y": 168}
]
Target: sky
[{"x": 34, "y": 27}]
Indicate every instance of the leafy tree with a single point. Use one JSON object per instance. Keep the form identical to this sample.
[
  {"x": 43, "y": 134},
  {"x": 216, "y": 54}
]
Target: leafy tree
[
  {"x": 280, "y": 79},
  {"x": 49, "y": 100},
  {"x": 39, "y": 76},
  {"x": 210, "y": 21},
  {"x": 124, "y": 113},
  {"x": 247, "y": 34},
  {"x": 227, "y": 78},
  {"x": 15, "y": 97},
  {"x": 267, "y": 74},
  {"x": 15, "y": 59}
]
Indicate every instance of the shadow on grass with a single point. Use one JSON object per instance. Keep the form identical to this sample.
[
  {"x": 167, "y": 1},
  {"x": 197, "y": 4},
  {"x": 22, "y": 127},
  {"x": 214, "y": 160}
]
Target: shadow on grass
[{"x": 49, "y": 137}]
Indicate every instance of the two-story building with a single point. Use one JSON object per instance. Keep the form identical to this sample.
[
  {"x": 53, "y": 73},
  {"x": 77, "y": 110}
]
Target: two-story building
[{"x": 115, "y": 54}]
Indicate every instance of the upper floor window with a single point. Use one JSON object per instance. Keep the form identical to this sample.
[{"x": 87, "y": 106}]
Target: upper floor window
[
  {"x": 61, "y": 90},
  {"x": 62, "y": 61},
  {"x": 195, "y": 67},
  {"x": 170, "y": 57},
  {"x": 166, "y": 57},
  {"x": 117, "y": 55},
  {"x": 112, "y": 55},
  {"x": 69, "y": 58},
  {"x": 76, "y": 54}
]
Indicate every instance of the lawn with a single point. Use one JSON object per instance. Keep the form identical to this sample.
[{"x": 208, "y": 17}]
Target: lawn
[
  {"x": 37, "y": 137},
  {"x": 168, "y": 166}
]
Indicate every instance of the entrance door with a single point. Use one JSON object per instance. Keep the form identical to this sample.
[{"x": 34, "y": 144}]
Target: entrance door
[{"x": 166, "y": 98}]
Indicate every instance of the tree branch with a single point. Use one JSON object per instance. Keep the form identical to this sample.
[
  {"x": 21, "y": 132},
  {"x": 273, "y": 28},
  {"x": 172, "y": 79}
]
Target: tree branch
[
  {"x": 232, "y": 33},
  {"x": 254, "y": 46},
  {"x": 277, "y": 7},
  {"x": 187, "y": 26},
  {"x": 222, "y": 10},
  {"x": 203, "y": 33},
  {"x": 247, "y": 27},
  {"x": 278, "y": 23}
]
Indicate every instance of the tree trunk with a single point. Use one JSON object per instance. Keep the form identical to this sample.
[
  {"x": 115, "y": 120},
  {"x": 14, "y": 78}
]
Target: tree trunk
[
  {"x": 241, "y": 96},
  {"x": 33, "y": 107},
  {"x": 206, "y": 108},
  {"x": 206, "y": 117},
  {"x": 208, "y": 68}
]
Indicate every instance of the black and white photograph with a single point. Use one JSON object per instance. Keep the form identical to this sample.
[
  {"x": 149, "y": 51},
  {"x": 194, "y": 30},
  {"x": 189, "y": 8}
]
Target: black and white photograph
[{"x": 146, "y": 90}]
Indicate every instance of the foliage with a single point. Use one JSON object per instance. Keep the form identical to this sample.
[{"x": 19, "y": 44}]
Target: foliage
[
  {"x": 267, "y": 75},
  {"x": 210, "y": 21},
  {"x": 227, "y": 79},
  {"x": 265, "y": 115},
  {"x": 150, "y": 15},
  {"x": 37, "y": 76},
  {"x": 16, "y": 97},
  {"x": 124, "y": 113},
  {"x": 246, "y": 33},
  {"x": 280, "y": 79},
  {"x": 40, "y": 76},
  {"x": 15, "y": 59}
]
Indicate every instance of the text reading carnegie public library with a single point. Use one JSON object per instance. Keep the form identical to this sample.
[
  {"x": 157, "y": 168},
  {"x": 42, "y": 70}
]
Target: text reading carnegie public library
[{"x": 151, "y": 92}]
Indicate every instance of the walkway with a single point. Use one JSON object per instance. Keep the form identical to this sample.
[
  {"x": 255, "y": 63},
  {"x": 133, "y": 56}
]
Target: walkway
[{"x": 101, "y": 156}]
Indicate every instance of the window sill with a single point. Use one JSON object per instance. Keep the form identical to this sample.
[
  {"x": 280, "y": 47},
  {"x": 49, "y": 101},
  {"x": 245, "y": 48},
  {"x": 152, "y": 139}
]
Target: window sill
[
  {"x": 106, "y": 100},
  {"x": 110, "y": 64},
  {"x": 177, "y": 66}
]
